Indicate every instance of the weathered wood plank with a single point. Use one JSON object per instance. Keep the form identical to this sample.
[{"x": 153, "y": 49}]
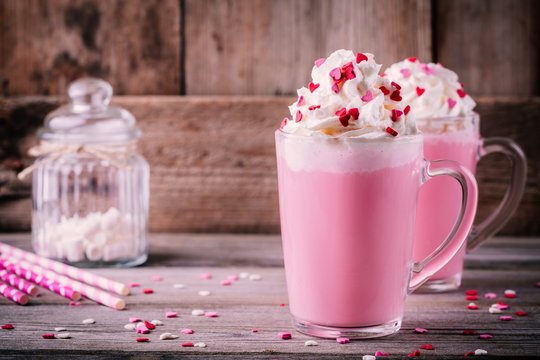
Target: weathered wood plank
[
  {"x": 256, "y": 304},
  {"x": 213, "y": 167},
  {"x": 492, "y": 44},
  {"x": 135, "y": 45},
  {"x": 261, "y": 47}
]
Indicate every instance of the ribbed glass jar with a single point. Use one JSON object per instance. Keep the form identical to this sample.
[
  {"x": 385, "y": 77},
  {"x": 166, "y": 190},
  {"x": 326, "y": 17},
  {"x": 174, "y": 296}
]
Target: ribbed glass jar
[{"x": 90, "y": 185}]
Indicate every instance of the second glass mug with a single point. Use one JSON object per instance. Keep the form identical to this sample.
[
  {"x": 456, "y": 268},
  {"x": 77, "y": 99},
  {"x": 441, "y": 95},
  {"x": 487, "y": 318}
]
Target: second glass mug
[
  {"x": 347, "y": 210},
  {"x": 458, "y": 138}
]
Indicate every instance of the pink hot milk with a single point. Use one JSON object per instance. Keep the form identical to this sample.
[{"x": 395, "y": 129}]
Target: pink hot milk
[
  {"x": 348, "y": 229},
  {"x": 438, "y": 202}
]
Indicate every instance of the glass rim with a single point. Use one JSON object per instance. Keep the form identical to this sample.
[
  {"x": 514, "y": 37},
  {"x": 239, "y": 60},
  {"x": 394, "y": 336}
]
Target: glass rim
[
  {"x": 472, "y": 115},
  {"x": 354, "y": 139}
]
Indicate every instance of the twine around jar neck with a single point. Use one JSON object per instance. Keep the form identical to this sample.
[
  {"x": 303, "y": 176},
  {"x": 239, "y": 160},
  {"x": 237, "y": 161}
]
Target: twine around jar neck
[{"x": 113, "y": 153}]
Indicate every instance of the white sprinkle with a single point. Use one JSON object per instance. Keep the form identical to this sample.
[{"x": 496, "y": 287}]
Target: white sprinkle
[
  {"x": 508, "y": 292},
  {"x": 60, "y": 329},
  {"x": 480, "y": 352},
  {"x": 311, "y": 343},
  {"x": 63, "y": 335},
  {"x": 369, "y": 357},
  {"x": 255, "y": 277},
  {"x": 168, "y": 336},
  {"x": 178, "y": 286},
  {"x": 243, "y": 275},
  {"x": 494, "y": 309},
  {"x": 204, "y": 292},
  {"x": 156, "y": 322},
  {"x": 197, "y": 312},
  {"x": 89, "y": 321},
  {"x": 199, "y": 344},
  {"x": 130, "y": 326}
]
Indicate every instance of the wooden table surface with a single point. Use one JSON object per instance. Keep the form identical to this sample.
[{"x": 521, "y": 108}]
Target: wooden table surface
[{"x": 502, "y": 263}]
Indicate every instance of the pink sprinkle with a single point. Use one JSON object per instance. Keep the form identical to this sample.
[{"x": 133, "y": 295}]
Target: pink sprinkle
[
  {"x": 381, "y": 353},
  {"x": 427, "y": 69},
  {"x": 335, "y": 88},
  {"x": 74, "y": 303},
  {"x": 300, "y": 101},
  {"x": 505, "y": 317},
  {"x": 298, "y": 117},
  {"x": 502, "y": 305},
  {"x": 368, "y": 96},
  {"x": 420, "y": 330},
  {"x": 471, "y": 297},
  {"x": 186, "y": 331},
  {"x": 405, "y": 72},
  {"x": 156, "y": 278},
  {"x": 471, "y": 292},
  {"x": 335, "y": 74},
  {"x": 414, "y": 353},
  {"x": 206, "y": 276},
  {"x": 48, "y": 336},
  {"x": 285, "y": 335},
  {"x": 211, "y": 314},
  {"x": 521, "y": 313},
  {"x": 142, "y": 329},
  {"x": 233, "y": 277},
  {"x": 490, "y": 295},
  {"x": 148, "y": 291},
  {"x": 171, "y": 314},
  {"x": 354, "y": 113},
  {"x": 133, "y": 285},
  {"x": 283, "y": 123},
  {"x": 485, "y": 336},
  {"x": 396, "y": 85},
  {"x": 226, "y": 282},
  {"x": 134, "y": 319},
  {"x": 343, "y": 340},
  {"x": 142, "y": 339},
  {"x": 451, "y": 103},
  {"x": 8, "y": 327},
  {"x": 468, "y": 332},
  {"x": 427, "y": 347},
  {"x": 187, "y": 344},
  {"x": 319, "y": 62},
  {"x": 472, "y": 306},
  {"x": 282, "y": 305}
]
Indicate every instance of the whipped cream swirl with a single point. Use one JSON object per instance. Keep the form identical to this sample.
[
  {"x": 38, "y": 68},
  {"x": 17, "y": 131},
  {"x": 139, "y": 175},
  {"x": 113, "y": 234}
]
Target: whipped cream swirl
[
  {"x": 430, "y": 89},
  {"x": 348, "y": 98}
]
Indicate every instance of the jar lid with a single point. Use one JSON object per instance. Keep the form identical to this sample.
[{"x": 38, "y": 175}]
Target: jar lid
[{"x": 88, "y": 118}]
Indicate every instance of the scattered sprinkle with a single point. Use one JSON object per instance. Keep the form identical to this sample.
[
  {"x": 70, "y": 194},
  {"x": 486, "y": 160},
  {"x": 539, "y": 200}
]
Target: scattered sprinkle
[
  {"x": 501, "y": 305},
  {"x": 472, "y": 306},
  {"x": 471, "y": 297},
  {"x": 233, "y": 277},
  {"x": 204, "y": 293},
  {"x": 48, "y": 336},
  {"x": 381, "y": 353},
  {"x": 200, "y": 344},
  {"x": 58, "y": 329},
  {"x": 414, "y": 353},
  {"x": 74, "y": 303},
  {"x": 63, "y": 335},
  {"x": 148, "y": 291},
  {"x": 420, "y": 330},
  {"x": 142, "y": 339},
  {"x": 157, "y": 322},
  {"x": 211, "y": 314},
  {"x": 537, "y": 284},
  {"x": 285, "y": 335},
  {"x": 510, "y": 294},
  {"x": 243, "y": 275},
  {"x": 505, "y": 317},
  {"x": 490, "y": 295},
  {"x": 89, "y": 321},
  {"x": 479, "y": 352},
  {"x": 494, "y": 310},
  {"x": 133, "y": 285},
  {"x": 311, "y": 343},
  {"x": 179, "y": 286},
  {"x": 187, "y": 344},
  {"x": 206, "y": 276},
  {"x": 521, "y": 313},
  {"x": 171, "y": 314},
  {"x": 134, "y": 319},
  {"x": 255, "y": 277},
  {"x": 197, "y": 312},
  {"x": 168, "y": 336},
  {"x": 254, "y": 330},
  {"x": 130, "y": 326},
  {"x": 186, "y": 331},
  {"x": 485, "y": 336},
  {"x": 149, "y": 325},
  {"x": 319, "y": 62},
  {"x": 8, "y": 327},
  {"x": 470, "y": 353},
  {"x": 471, "y": 292},
  {"x": 468, "y": 332},
  {"x": 343, "y": 340},
  {"x": 427, "y": 347},
  {"x": 156, "y": 278},
  {"x": 226, "y": 282},
  {"x": 368, "y": 357}
]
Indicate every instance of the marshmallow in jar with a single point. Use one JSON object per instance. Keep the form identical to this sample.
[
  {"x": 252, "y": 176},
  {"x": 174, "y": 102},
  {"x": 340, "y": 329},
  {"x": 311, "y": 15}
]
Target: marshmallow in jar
[{"x": 90, "y": 186}]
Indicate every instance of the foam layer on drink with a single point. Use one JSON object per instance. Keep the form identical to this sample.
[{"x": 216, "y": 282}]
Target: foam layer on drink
[
  {"x": 430, "y": 89},
  {"x": 348, "y": 98}
]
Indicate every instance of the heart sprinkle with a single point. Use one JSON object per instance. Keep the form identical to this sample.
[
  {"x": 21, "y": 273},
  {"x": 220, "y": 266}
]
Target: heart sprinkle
[
  {"x": 206, "y": 276},
  {"x": 510, "y": 294},
  {"x": 186, "y": 331},
  {"x": 314, "y": 107},
  {"x": 343, "y": 340},
  {"x": 414, "y": 353},
  {"x": 354, "y": 113},
  {"x": 396, "y": 96},
  {"x": 461, "y": 93},
  {"x": 283, "y": 123},
  {"x": 407, "y": 109},
  {"x": 405, "y": 72},
  {"x": 427, "y": 347},
  {"x": 8, "y": 327},
  {"x": 468, "y": 332},
  {"x": 48, "y": 336},
  {"x": 395, "y": 85},
  {"x": 420, "y": 91},
  {"x": 451, "y": 103},
  {"x": 298, "y": 117},
  {"x": 361, "y": 57},
  {"x": 485, "y": 336},
  {"x": 311, "y": 343},
  {"x": 490, "y": 295},
  {"x": 381, "y": 353},
  {"x": 472, "y": 306},
  {"x": 285, "y": 335},
  {"x": 149, "y": 325},
  {"x": 420, "y": 330},
  {"x": 211, "y": 314},
  {"x": 505, "y": 317},
  {"x": 312, "y": 87},
  {"x": 300, "y": 101},
  {"x": 148, "y": 291},
  {"x": 384, "y": 90},
  {"x": 391, "y": 131},
  {"x": 396, "y": 114},
  {"x": 521, "y": 313},
  {"x": 412, "y": 59},
  {"x": 319, "y": 62},
  {"x": 142, "y": 339},
  {"x": 471, "y": 292},
  {"x": 368, "y": 96},
  {"x": 187, "y": 344}
]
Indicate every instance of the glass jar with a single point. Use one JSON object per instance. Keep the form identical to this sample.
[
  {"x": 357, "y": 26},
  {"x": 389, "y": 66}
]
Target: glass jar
[{"x": 90, "y": 186}]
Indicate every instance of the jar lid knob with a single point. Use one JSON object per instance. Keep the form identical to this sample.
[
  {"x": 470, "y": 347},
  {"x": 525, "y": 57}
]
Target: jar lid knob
[{"x": 90, "y": 93}]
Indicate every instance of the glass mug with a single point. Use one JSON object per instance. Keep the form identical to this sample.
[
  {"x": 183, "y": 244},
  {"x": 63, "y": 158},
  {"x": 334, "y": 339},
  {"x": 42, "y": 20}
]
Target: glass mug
[
  {"x": 458, "y": 139},
  {"x": 348, "y": 209}
]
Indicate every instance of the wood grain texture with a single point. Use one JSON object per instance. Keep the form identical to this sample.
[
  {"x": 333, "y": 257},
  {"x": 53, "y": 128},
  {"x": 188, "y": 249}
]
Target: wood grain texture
[
  {"x": 246, "y": 305},
  {"x": 240, "y": 47},
  {"x": 135, "y": 45},
  {"x": 492, "y": 44},
  {"x": 213, "y": 166}
]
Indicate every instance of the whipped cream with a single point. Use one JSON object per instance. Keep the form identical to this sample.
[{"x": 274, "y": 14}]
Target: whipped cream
[
  {"x": 348, "y": 98},
  {"x": 430, "y": 89}
]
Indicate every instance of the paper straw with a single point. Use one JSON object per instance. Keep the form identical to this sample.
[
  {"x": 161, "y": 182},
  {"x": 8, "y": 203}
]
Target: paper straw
[
  {"x": 86, "y": 290},
  {"x": 13, "y": 294},
  {"x": 71, "y": 271},
  {"x": 18, "y": 283},
  {"x": 40, "y": 279}
]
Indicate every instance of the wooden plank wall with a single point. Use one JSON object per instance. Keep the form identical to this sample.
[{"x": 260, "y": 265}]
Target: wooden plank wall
[{"x": 218, "y": 174}]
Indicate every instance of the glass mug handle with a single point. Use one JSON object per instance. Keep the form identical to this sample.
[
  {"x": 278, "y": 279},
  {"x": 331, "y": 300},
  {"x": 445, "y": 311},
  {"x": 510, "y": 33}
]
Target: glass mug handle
[
  {"x": 514, "y": 191},
  {"x": 423, "y": 270}
]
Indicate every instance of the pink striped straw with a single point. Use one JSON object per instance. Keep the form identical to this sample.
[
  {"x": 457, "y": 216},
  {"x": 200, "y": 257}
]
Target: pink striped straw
[
  {"x": 41, "y": 280},
  {"x": 13, "y": 294},
  {"x": 73, "y": 272},
  {"x": 18, "y": 283},
  {"x": 86, "y": 290}
]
